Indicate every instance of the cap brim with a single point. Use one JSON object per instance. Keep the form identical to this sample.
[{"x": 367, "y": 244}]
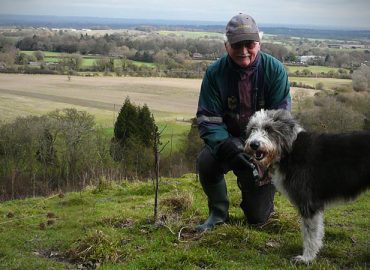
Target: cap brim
[{"x": 241, "y": 37}]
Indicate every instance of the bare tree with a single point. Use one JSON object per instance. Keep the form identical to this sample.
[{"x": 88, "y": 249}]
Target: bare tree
[
  {"x": 157, "y": 151},
  {"x": 361, "y": 79}
]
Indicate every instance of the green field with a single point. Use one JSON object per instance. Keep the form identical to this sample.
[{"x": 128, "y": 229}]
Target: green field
[
  {"x": 190, "y": 34},
  {"x": 87, "y": 60},
  {"x": 46, "y": 53},
  {"x": 111, "y": 226},
  {"x": 313, "y": 69},
  {"x": 329, "y": 83}
]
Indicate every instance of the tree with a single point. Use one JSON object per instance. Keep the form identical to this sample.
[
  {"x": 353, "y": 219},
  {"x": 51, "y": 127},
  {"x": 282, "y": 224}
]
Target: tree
[
  {"x": 71, "y": 62},
  {"x": 147, "y": 126},
  {"x": 46, "y": 154},
  {"x": 39, "y": 55},
  {"x": 361, "y": 79},
  {"x": 73, "y": 127},
  {"x": 278, "y": 51},
  {"x": 126, "y": 125},
  {"x": 24, "y": 59},
  {"x": 156, "y": 152},
  {"x": 105, "y": 64},
  {"x": 134, "y": 139},
  {"x": 161, "y": 57}
]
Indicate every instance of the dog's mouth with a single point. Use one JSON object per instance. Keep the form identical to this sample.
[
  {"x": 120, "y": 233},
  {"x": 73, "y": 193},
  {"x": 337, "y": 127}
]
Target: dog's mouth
[{"x": 259, "y": 155}]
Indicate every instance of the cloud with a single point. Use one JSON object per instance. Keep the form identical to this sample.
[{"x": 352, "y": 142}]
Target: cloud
[{"x": 314, "y": 12}]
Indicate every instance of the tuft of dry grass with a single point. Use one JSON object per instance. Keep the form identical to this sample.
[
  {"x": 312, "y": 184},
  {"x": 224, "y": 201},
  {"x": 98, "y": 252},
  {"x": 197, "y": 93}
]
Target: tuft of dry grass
[
  {"x": 178, "y": 203},
  {"x": 97, "y": 247}
]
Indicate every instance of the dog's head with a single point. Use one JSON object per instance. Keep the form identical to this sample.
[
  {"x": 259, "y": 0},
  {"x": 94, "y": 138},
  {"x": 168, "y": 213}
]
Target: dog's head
[{"x": 270, "y": 135}]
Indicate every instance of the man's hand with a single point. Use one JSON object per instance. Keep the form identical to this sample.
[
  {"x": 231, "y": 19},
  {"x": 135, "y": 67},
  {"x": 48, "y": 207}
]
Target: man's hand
[
  {"x": 230, "y": 148},
  {"x": 242, "y": 162},
  {"x": 232, "y": 153}
]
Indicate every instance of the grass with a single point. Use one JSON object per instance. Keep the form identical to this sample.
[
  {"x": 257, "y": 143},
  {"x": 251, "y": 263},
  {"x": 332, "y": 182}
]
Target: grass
[
  {"x": 144, "y": 64},
  {"x": 87, "y": 60},
  {"x": 111, "y": 225},
  {"x": 313, "y": 69},
  {"x": 173, "y": 135},
  {"x": 329, "y": 83},
  {"x": 46, "y": 53},
  {"x": 52, "y": 59}
]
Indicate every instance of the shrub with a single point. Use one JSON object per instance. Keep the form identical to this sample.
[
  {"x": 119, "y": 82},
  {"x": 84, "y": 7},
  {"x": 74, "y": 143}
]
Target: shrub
[
  {"x": 62, "y": 149},
  {"x": 361, "y": 79},
  {"x": 319, "y": 86},
  {"x": 331, "y": 116}
]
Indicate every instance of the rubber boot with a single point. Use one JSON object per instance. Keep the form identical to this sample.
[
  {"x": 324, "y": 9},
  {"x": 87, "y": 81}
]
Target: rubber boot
[{"x": 218, "y": 205}]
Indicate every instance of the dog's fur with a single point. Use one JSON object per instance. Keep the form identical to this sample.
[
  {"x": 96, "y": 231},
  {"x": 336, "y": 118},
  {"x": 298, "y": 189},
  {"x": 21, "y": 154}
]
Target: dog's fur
[{"x": 311, "y": 169}]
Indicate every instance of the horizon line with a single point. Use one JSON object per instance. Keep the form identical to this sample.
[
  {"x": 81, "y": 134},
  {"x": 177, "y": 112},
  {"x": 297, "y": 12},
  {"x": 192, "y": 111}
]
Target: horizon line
[{"x": 185, "y": 22}]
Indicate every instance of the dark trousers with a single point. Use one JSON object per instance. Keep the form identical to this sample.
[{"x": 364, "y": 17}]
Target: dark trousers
[{"x": 257, "y": 202}]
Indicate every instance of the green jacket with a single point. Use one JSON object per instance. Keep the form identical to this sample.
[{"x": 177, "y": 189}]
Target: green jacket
[{"x": 219, "y": 106}]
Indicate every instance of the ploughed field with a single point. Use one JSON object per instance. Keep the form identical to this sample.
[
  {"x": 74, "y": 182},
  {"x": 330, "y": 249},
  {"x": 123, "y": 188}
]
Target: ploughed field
[{"x": 167, "y": 98}]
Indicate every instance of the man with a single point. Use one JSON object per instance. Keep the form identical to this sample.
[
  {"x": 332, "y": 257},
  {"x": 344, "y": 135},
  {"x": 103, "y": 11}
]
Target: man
[{"x": 233, "y": 88}]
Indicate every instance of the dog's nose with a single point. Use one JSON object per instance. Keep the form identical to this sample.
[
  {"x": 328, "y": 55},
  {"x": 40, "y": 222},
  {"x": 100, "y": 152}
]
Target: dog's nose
[{"x": 254, "y": 145}]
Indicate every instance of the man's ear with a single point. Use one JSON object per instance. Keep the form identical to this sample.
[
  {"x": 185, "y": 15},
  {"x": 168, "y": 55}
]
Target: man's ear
[{"x": 227, "y": 46}]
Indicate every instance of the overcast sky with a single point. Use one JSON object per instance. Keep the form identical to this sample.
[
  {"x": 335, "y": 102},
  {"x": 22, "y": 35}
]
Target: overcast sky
[{"x": 338, "y": 13}]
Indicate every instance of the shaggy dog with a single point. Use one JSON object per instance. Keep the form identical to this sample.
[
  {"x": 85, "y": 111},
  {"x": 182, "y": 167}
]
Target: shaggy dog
[{"x": 311, "y": 169}]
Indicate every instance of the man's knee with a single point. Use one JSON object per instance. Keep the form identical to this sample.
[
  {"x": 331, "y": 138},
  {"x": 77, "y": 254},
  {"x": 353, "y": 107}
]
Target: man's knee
[
  {"x": 207, "y": 163},
  {"x": 258, "y": 203}
]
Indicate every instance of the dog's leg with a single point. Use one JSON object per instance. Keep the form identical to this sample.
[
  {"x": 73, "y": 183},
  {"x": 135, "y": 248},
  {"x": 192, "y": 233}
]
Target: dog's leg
[{"x": 313, "y": 234}]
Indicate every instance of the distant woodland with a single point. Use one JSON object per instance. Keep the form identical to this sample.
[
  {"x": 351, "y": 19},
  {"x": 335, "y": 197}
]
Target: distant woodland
[{"x": 171, "y": 54}]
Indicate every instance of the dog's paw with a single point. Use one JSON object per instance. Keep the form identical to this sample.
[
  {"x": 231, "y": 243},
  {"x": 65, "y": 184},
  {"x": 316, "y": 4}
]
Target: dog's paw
[{"x": 300, "y": 260}]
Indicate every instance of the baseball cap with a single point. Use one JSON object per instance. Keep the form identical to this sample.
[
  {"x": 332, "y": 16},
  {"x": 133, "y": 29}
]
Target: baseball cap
[{"x": 242, "y": 27}]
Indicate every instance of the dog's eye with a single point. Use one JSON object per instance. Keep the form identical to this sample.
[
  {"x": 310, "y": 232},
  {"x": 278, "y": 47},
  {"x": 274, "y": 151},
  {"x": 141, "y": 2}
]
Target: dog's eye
[{"x": 268, "y": 128}]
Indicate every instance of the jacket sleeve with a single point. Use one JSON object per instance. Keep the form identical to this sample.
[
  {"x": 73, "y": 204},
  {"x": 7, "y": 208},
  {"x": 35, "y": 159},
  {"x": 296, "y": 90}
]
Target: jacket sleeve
[
  {"x": 209, "y": 114},
  {"x": 279, "y": 89}
]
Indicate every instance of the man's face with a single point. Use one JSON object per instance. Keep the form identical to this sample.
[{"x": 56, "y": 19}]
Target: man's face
[{"x": 244, "y": 52}]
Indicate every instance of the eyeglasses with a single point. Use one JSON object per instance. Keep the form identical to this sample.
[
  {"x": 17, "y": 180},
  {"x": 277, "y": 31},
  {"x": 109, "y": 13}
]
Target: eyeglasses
[{"x": 249, "y": 44}]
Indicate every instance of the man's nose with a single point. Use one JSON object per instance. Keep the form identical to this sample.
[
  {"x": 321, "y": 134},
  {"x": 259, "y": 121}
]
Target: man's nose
[{"x": 245, "y": 48}]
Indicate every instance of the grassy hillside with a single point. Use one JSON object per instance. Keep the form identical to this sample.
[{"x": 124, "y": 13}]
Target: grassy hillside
[
  {"x": 328, "y": 83},
  {"x": 111, "y": 226}
]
